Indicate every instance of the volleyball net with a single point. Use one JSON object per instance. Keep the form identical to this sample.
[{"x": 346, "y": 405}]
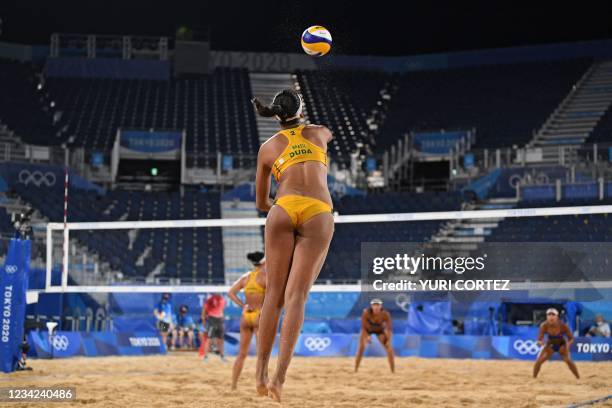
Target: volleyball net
[{"x": 533, "y": 247}]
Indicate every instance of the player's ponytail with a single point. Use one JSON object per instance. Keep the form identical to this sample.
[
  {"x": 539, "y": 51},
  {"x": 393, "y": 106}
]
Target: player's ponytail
[
  {"x": 255, "y": 257},
  {"x": 267, "y": 111},
  {"x": 287, "y": 106}
]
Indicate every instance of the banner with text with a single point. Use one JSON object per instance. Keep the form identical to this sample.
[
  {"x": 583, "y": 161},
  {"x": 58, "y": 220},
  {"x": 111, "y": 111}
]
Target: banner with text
[
  {"x": 138, "y": 144},
  {"x": 14, "y": 284}
]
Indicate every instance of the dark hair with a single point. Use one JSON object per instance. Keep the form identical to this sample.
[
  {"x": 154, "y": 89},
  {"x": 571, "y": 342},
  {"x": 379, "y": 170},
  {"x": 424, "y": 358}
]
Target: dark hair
[
  {"x": 285, "y": 105},
  {"x": 255, "y": 257}
]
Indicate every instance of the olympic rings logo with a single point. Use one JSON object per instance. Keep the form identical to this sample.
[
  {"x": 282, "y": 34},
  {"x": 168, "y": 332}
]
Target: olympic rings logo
[
  {"x": 526, "y": 347},
  {"x": 317, "y": 343},
  {"x": 403, "y": 301},
  {"x": 516, "y": 179},
  {"x": 10, "y": 268},
  {"x": 60, "y": 343},
  {"x": 37, "y": 177}
]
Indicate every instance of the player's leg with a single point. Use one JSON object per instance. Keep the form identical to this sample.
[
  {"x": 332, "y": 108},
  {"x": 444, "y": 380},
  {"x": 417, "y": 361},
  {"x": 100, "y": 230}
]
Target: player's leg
[
  {"x": 311, "y": 247},
  {"x": 190, "y": 337},
  {"x": 221, "y": 346},
  {"x": 173, "y": 333},
  {"x": 386, "y": 342},
  {"x": 279, "y": 243},
  {"x": 544, "y": 355},
  {"x": 181, "y": 335},
  {"x": 163, "y": 331},
  {"x": 565, "y": 355},
  {"x": 204, "y": 346},
  {"x": 363, "y": 340},
  {"x": 246, "y": 333}
]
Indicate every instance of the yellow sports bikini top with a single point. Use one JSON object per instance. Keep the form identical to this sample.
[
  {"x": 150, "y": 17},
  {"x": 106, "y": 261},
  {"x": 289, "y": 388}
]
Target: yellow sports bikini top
[
  {"x": 298, "y": 150},
  {"x": 252, "y": 286}
]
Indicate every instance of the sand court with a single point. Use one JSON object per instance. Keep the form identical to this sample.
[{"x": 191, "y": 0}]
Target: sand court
[{"x": 181, "y": 379}]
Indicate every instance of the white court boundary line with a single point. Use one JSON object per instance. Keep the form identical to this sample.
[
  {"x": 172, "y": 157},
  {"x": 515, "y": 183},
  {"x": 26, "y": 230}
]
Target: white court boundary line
[{"x": 244, "y": 222}]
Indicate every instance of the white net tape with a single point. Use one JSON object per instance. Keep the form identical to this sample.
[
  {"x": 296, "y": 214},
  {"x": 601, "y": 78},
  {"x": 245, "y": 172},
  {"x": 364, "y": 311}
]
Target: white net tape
[{"x": 250, "y": 222}]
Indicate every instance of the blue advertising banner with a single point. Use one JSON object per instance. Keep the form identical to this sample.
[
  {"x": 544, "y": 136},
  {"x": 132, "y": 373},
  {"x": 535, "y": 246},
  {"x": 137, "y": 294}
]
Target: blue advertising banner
[
  {"x": 228, "y": 162},
  {"x": 509, "y": 178},
  {"x": 432, "y": 346},
  {"x": 370, "y": 164},
  {"x": 24, "y": 175},
  {"x": 143, "y": 141},
  {"x": 468, "y": 160},
  {"x": 538, "y": 193},
  {"x": 97, "y": 159},
  {"x": 437, "y": 143},
  {"x": 14, "y": 285},
  {"x": 580, "y": 191},
  {"x": 324, "y": 345},
  {"x": 94, "y": 344}
]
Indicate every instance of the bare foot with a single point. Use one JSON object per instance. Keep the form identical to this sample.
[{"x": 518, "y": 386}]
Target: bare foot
[
  {"x": 234, "y": 387},
  {"x": 261, "y": 381},
  {"x": 274, "y": 390},
  {"x": 262, "y": 390}
]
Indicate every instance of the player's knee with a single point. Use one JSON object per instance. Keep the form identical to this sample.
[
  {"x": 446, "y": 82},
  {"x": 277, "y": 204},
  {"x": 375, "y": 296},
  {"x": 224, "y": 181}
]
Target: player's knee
[
  {"x": 296, "y": 298},
  {"x": 274, "y": 296}
]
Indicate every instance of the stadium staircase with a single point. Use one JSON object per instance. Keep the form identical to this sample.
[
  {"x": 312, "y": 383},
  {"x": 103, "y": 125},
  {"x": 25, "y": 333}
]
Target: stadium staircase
[
  {"x": 265, "y": 86},
  {"x": 460, "y": 237},
  {"x": 237, "y": 242},
  {"x": 577, "y": 115}
]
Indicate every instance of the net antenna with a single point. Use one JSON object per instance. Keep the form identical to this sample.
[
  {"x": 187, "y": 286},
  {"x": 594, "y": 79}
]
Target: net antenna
[{"x": 250, "y": 222}]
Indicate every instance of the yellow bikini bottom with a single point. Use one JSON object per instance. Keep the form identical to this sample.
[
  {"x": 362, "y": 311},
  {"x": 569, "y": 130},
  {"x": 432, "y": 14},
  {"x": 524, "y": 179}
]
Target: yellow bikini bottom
[
  {"x": 251, "y": 317},
  {"x": 300, "y": 208}
]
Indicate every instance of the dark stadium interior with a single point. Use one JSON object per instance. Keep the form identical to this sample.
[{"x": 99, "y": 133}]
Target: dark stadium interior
[{"x": 432, "y": 109}]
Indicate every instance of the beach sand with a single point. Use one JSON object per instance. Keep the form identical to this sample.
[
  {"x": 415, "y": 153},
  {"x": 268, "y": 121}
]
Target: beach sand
[{"x": 183, "y": 380}]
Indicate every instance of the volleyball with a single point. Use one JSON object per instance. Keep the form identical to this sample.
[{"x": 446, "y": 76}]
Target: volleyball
[{"x": 316, "y": 41}]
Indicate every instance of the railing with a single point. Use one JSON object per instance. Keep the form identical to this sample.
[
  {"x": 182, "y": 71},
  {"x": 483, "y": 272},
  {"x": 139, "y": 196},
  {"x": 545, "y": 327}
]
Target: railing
[
  {"x": 599, "y": 189},
  {"x": 88, "y": 321}
]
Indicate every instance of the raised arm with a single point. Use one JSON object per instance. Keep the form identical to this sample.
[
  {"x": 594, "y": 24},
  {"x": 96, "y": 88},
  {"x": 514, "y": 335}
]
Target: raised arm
[
  {"x": 327, "y": 134},
  {"x": 262, "y": 181}
]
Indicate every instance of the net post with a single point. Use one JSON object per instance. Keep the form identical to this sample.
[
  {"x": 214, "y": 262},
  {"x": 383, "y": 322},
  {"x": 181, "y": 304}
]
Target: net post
[
  {"x": 49, "y": 258},
  {"x": 65, "y": 260},
  {"x": 66, "y": 231}
]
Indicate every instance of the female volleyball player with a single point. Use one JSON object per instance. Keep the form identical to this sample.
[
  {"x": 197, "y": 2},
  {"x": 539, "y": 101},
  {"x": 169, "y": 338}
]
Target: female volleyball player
[
  {"x": 254, "y": 285},
  {"x": 557, "y": 332},
  {"x": 299, "y": 228},
  {"x": 376, "y": 320}
]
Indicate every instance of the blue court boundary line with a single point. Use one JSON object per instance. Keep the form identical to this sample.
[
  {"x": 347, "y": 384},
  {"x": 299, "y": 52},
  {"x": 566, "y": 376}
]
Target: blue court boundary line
[{"x": 591, "y": 402}]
